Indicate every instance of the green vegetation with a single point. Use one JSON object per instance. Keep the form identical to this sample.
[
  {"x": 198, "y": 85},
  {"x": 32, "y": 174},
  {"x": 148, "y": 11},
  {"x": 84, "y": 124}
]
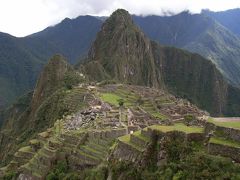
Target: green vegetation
[
  {"x": 72, "y": 79},
  {"x": 58, "y": 172},
  {"x": 159, "y": 115},
  {"x": 178, "y": 127},
  {"x": 139, "y": 135},
  {"x": 111, "y": 98},
  {"x": 10, "y": 176},
  {"x": 188, "y": 118},
  {"x": 126, "y": 139},
  {"x": 184, "y": 161},
  {"x": 223, "y": 141},
  {"x": 26, "y": 149},
  {"x": 227, "y": 123}
]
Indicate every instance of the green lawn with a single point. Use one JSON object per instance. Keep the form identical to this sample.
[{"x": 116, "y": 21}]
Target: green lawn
[
  {"x": 125, "y": 138},
  {"x": 223, "y": 141},
  {"x": 230, "y": 124},
  {"x": 178, "y": 127},
  {"x": 139, "y": 135},
  {"x": 110, "y": 98}
]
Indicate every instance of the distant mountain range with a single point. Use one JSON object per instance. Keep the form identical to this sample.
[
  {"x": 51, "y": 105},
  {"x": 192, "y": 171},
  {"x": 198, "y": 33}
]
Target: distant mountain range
[{"x": 208, "y": 34}]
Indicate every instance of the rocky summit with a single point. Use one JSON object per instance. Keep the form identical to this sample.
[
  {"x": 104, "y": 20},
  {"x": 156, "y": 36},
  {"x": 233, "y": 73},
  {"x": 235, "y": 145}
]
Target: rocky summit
[{"x": 133, "y": 109}]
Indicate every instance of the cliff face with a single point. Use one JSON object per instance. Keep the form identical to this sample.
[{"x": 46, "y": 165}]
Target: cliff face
[
  {"x": 122, "y": 52},
  {"x": 192, "y": 77}
]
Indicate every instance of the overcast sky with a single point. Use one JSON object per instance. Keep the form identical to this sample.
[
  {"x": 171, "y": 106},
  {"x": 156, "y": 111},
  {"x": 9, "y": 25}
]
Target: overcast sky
[{"x": 23, "y": 17}]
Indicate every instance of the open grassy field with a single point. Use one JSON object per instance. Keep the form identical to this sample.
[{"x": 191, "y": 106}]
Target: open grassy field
[
  {"x": 178, "y": 127},
  {"x": 222, "y": 141},
  {"x": 228, "y": 122}
]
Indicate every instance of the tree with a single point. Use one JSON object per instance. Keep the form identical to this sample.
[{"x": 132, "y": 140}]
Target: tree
[
  {"x": 71, "y": 79},
  {"x": 120, "y": 103}
]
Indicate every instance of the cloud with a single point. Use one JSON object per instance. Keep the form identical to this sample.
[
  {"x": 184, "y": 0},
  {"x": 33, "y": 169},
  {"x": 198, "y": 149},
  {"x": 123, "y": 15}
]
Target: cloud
[{"x": 24, "y": 17}]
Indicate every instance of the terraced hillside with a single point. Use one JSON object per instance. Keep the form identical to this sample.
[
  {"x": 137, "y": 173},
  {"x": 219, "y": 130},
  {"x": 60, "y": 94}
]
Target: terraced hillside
[
  {"x": 101, "y": 114},
  {"x": 168, "y": 150},
  {"x": 99, "y": 137}
]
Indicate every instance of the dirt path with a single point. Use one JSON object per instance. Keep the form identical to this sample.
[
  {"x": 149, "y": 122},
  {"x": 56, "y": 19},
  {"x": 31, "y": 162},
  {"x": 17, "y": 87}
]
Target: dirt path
[{"x": 227, "y": 119}]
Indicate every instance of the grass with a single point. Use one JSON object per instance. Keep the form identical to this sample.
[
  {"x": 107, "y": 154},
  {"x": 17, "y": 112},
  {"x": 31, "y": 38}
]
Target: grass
[
  {"x": 140, "y": 136},
  {"x": 26, "y": 149},
  {"x": 34, "y": 141},
  {"x": 226, "y": 142},
  {"x": 110, "y": 98},
  {"x": 126, "y": 139},
  {"x": 44, "y": 134},
  {"x": 178, "y": 127},
  {"x": 159, "y": 115},
  {"x": 229, "y": 124}
]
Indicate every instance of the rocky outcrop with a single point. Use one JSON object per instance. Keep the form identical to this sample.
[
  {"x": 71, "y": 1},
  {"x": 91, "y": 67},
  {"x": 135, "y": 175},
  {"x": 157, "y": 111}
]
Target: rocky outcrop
[{"x": 193, "y": 77}]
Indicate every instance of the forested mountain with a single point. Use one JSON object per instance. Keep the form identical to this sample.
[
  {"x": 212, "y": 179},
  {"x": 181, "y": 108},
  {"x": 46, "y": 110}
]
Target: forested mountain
[
  {"x": 197, "y": 33},
  {"x": 229, "y": 18},
  {"x": 21, "y": 59}
]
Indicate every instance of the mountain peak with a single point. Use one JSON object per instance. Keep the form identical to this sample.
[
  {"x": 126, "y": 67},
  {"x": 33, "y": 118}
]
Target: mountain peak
[
  {"x": 121, "y": 14},
  {"x": 121, "y": 47},
  {"x": 119, "y": 19}
]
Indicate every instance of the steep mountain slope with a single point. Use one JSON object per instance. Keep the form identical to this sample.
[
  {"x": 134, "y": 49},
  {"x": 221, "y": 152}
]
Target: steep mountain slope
[
  {"x": 71, "y": 37},
  {"x": 121, "y": 51},
  {"x": 36, "y": 111},
  {"x": 197, "y": 33},
  {"x": 18, "y": 69},
  {"x": 21, "y": 59},
  {"x": 228, "y": 18}
]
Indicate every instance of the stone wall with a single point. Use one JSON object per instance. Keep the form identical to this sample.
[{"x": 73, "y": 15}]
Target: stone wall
[
  {"x": 126, "y": 152},
  {"x": 195, "y": 137},
  {"x": 227, "y": 151},
  {"x": 228, "y": 133},
  {"x": 111, "y": 134},
  {"x": 209, "y": 127}
]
